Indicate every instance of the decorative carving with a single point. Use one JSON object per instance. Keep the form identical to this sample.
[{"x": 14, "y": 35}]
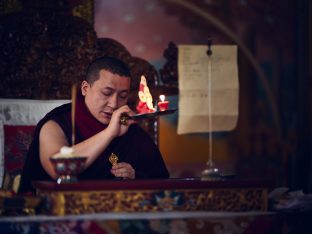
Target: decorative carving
[
  {"x": 42, "y": 56},
  {"x": 84, "y": 10},
  {"x": 18, "y": 205},
  {"x": 45, "y": 49},
  {"x": 82, "y": 202},
  {"x": 111, "y": 47},
  {"x": 8, "y": 6},
  {"x": 169, "y": 73}
]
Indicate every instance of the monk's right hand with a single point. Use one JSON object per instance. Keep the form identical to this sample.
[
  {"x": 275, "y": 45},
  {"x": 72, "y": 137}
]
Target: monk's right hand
[{"x": 115, "y": 127}]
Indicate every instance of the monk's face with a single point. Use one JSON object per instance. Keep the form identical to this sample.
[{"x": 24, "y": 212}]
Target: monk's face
[{"x": 106, "y": 94}]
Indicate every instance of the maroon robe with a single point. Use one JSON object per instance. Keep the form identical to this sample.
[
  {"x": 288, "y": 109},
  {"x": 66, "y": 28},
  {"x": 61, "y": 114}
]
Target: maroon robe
[{"x": 135, "y": 147}]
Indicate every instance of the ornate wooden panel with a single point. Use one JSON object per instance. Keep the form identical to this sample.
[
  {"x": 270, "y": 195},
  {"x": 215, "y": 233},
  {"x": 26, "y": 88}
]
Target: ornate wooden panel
[
  {"x": 45, "y": 48},
  {"x": 81, "y": 202},
  {"x": 153, "y": 195}
]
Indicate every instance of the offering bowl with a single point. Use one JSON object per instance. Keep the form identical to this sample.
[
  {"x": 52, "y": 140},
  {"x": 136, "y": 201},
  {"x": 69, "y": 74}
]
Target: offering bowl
[{"x": 68, "y": 168}]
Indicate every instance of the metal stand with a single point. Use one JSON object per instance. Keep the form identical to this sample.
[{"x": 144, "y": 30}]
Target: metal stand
[{"x": 211, "y": 172}]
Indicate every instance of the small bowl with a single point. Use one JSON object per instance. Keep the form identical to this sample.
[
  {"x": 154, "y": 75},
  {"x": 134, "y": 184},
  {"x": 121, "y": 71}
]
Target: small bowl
[{"x": 68, "y": 168}]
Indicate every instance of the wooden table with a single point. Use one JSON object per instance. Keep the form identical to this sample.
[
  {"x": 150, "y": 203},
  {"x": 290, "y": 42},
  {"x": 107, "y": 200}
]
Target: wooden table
[{"x": 188, "y": 194}]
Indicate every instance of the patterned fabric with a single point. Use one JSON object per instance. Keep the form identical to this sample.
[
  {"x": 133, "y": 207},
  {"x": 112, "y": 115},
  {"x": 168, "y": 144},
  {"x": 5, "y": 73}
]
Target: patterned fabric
[
  {"x": 216, "y": 225},
  {"x": 17, "y": 120},
  {"x": 1, "y": 152},
  {"x": 16, "y": 142}
]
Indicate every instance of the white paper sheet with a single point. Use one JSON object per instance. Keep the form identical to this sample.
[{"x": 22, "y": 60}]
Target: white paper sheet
[{"x": 194, "y": 88}]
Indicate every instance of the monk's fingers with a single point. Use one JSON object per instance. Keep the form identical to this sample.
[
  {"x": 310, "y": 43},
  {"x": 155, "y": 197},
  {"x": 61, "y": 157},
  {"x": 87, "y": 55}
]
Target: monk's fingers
[
  {"x": 122, "y": 165},
  {"x": 124, "y": 174},
  {"x": 123, "y": 170},
  {"x": 124, "y": 110}
]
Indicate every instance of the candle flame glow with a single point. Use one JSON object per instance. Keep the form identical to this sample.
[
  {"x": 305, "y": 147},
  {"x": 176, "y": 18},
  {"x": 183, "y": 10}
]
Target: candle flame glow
[{"x": 162, "y": 97}]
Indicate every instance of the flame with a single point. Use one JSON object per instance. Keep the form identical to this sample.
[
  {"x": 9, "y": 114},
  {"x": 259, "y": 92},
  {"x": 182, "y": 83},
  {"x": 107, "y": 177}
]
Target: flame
[{"x": 162, "y": 98}]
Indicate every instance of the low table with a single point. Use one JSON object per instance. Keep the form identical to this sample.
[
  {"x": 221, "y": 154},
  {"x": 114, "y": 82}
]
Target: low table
[{"x": 188, "y": 194}]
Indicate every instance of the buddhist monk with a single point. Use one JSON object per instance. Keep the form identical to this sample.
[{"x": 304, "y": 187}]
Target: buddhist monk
[{"x": 99, "y": 133}]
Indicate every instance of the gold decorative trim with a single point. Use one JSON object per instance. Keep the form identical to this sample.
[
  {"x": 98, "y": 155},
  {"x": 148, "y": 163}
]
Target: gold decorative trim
[
  {"x": 85, "y": 11},
  {"x": 81, "y": 202},
  {"x": 10, "y": 204}
]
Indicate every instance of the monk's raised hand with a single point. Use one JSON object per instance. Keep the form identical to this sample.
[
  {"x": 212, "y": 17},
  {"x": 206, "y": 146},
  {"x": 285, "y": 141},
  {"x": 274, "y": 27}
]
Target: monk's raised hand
[{"x": 116, "y": 127}]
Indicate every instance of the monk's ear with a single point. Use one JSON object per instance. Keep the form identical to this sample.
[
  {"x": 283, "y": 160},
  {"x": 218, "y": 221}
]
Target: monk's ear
[{"x": 84, "y": 87}]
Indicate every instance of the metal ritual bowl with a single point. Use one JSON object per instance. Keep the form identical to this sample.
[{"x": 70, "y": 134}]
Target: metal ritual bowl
[{"x": 68, "y": 168}]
